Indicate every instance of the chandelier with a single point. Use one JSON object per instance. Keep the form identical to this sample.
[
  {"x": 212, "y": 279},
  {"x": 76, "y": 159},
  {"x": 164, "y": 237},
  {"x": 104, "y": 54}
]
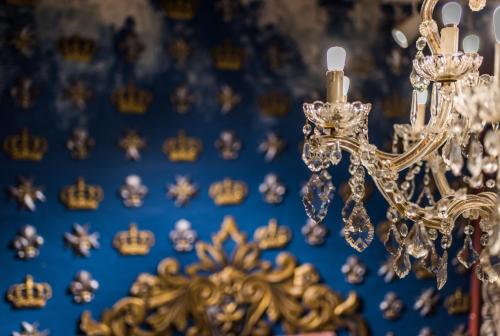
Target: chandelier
[{"x": 454, "y": 136}]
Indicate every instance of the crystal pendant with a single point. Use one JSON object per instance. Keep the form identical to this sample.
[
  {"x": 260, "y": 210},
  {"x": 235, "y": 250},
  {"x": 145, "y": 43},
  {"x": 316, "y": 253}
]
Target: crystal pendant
[
  {"x": 417, "y": 242},
  {"x": 336, "y": 154},
  {"x": 318, "y": 193},
  {"x": 434, "y": 101},
  {"x": 456, "y": 159},
  {"x": 446, "y": 151},
  {"x": 313, "y": 156},
  {"x": 402, "y": 264},
  {"x": 392, "y": 241},
  {"x": 467, "y": 254},
  {"x": 358, "y": 231},
  {"x": 430, "y": 261},
  {"x": 482, "y": 273},
  {"x": 475, "y": 160},
  {"x": 442, "y": 270},
  {"x": 414, "y": 108},
  {"x": 418, "y": 82},
  {"x": 490, "y": 266}
]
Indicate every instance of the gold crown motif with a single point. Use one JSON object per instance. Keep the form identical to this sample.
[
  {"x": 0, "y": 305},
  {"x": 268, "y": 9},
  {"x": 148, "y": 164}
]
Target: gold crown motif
[
  {"x": 133, "y": 241},
  {"x": 131, "y": 100},
  {"x": 457, "y": 303},
  {"x": 76, "y": 48},
  {"x": 272, "y": 236},
  {"x": 25, "y": 147},
  {"x": 228, "y": 192},
  {"x": 29, "y": 294},
  {"x": 274, "y": 104},
  {"x": 180, "y": 9},
  {"x": 182, "y": 148},
  {"x": 81, "y": 196},
  {"x": 227, "y": 56},
  {"x": 395, "y": 106}
]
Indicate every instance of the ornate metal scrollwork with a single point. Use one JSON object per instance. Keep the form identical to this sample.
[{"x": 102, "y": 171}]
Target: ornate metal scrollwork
[{"x": 228, "y": 294}]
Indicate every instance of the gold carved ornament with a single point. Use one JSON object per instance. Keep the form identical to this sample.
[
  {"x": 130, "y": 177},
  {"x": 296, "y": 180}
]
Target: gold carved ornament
[{"x": 228, "y": 294}]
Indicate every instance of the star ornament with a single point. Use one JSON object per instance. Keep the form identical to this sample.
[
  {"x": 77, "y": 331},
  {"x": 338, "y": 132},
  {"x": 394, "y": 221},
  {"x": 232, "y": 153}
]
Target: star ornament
[
  {"x": 26, "y": 194},
  {"x": 182, "y": 191},
  {"x": 81, "y": 240},
  {"x": 30, "y": 329},
  {"x": 271, "y": 146}
]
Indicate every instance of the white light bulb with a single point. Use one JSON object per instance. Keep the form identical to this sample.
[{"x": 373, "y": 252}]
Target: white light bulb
[
  {"x": 346, "y": 83},
  {"x": 452, "y": 13},
  {"x": 496, "y": 23},
  {"x": 471, "y": 43},
  {"x": 335, "y": 58},
  {"x": 400, "y": 38},
  {"x": 422, "y": 97}
]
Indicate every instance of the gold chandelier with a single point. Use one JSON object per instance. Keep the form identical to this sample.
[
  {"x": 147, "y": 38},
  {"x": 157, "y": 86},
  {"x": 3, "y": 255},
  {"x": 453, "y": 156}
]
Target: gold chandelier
[{"x": 460, "y": 140}]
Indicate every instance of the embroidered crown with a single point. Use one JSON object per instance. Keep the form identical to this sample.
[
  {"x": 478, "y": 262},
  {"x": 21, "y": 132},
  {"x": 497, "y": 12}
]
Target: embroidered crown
[
  {"x": 131, "y": 100},
  {"x": 76, "y": 48},
  {"x": 182, "y": 148},
  {"x": 228, "y": 192},
  {"x": 24, "y": 146},
  {"x": 272, "y": 236},
  {"x": 29, "y": 294},
  {"x": 227, "y": 56},
  {"x": 133, "y": 241},
  {"x": 273, "y": 104},
  {"x": 457, "y": 303},
  {"x": 81, "y": 196},
  {"x": 180, "y": 9}
]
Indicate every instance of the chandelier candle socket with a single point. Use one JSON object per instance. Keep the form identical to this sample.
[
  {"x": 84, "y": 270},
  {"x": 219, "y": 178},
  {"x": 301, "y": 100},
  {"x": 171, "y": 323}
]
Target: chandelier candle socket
[
  {"x": 496, "y": 29},
  {"x": 335, "y": 75},
  {"x": 421, "y": 101},
  {"x": 452, "y": 13}
]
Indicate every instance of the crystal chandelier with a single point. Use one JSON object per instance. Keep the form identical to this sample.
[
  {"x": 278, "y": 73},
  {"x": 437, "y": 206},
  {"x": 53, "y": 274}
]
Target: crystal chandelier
[{"x": 459, "y": 141}]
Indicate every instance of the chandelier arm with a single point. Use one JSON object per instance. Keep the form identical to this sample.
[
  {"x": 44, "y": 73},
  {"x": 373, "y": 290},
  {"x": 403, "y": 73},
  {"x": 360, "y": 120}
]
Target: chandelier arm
[
  {"x": 402, "y": 207},
  {"x": 431, "y": 33},
  {"x": 438, "y": 168},
  {"x": 484, "y": 202},
  {"x": 435, "y": 136},
  {"x": 398, "y": 162}
]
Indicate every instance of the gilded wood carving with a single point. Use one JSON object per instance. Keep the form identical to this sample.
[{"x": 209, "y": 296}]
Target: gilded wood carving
[{"x": 228, "y": 294}]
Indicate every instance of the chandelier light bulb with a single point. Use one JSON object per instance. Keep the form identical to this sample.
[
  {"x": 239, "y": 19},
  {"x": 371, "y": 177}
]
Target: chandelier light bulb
[
  {"x": 496, "y": 23},
  {"x": 422, "y": 97},
  {"x": 335, "y": 58},
  {"x": 406, "y": 32},
  {"x": 471, "y": 43},
  {"x": 346, "y": 83},
  {"x": 452, "y": 13}
]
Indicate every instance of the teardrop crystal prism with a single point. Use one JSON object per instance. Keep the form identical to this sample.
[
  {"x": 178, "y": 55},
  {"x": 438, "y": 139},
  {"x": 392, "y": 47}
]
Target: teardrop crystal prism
[
  {"x": 392, "y": 241},
  {"x": 417, "y": 242},
  {"x": 336, "y": 154},
  {"x": 358, "y": 231},
  {"x": 430, "y": 261},
  {"x": 414, "y": 108},
  {"x": 456, "y": 159},
  {"x": 402, "y": 264},
  {"x": 442, "y": 270},
  {"x": 490, "y": 266},
  {"x": 467, "y": 255},
  {"x": 317, "y": 195},
  {"x": 313, "y": 156}
]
